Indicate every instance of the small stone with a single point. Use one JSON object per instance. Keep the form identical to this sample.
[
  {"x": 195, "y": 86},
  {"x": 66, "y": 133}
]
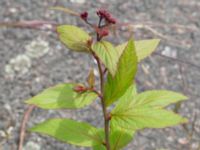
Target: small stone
[
  {"x": 195, "y": 145},
  {"x": 183, "y": 141},
  {"x": 32, "y": 146},
  {"x": 10, "y": 130},
  {"x": 37, "y": 48},
  {"x": 102, "y": 1},
  {"x": 8, "y": 107},
  {"x": 78, "y": 1},
  {"x": 38, "y": 79},
  {"x": 18, "y": 65},
  {"x": 2, "y": 134},
  {"x": 169, "y": 52},
  {"x": 170, "y": 139},
  {"x": 96, "y": 73},
  {"x": 13, "y": 10}
]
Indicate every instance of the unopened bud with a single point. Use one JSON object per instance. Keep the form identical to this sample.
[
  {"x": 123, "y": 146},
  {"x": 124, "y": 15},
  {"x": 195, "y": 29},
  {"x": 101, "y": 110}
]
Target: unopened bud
[
  {"x": 84, "y": 15},
  {"x": 109, "y": 116},
  {"x": 106, "y": 15},
  {"x": 103, "y": 32},
  {"x": 89, "y": 42},
  {"x": 80, "y": 88},
  {"x": 112, "y": 20}
]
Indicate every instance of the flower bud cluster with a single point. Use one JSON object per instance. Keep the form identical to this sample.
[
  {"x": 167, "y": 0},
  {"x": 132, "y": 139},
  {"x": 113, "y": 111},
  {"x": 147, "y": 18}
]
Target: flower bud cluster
[{"x": 104, "y": 16}]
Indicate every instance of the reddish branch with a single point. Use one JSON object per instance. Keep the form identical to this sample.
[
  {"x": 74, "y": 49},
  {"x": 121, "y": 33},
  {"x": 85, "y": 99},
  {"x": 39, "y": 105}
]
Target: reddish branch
[
  {"x": 105, "y": 113},
  {"x": 177, "y": 60},
  {"x": 49, "y": 25},
  {"x": 103, "y": 14},
  {"x": 33, "y": 24},
  {"x": 23, "y": 126}
]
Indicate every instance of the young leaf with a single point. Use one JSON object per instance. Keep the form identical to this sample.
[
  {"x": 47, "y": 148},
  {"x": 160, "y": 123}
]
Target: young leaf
[
  {"x": 153, "y": 98},
  {"x": 107, "y": 54},
  {"x": 143, "y": 48},
  {"x": 99, "y": 147},
  {"x": 62, "y": 96},
  {"x": 91, "y": 79},
  {"x": 116, "y": 86},
  {"x": 144, "y": 110},
  {"x": 132, "y": 118},
  {"x": 74, "y": 38},
  {"x": 127, "y": 98},
  {"x": 119, "y": 138},
  {"x": 70, "y": 131},
  {"x": 157, "y": 98}
]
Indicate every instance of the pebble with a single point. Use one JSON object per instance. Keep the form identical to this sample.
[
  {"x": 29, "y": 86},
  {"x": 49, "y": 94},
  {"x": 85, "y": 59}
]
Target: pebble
[
  {"x": 18, "y": 65},
  {"x": 32, "y": 146},
  {"x": 37, "y": 48},
  {"x": 78, "y": 1},
  {"x": 168, "y": 51}
]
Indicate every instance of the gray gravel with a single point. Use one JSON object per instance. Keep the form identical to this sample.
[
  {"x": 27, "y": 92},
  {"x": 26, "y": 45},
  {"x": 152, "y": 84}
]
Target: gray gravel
[{"x": 55, "y": 65}]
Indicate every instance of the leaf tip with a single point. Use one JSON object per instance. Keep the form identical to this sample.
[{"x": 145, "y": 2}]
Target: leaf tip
[
  {"x": 184, "y": 120},
  {"x": 28, "y": 102},
  {"x": 32, "y": 129},
  {"x": 184, "y": 97}
]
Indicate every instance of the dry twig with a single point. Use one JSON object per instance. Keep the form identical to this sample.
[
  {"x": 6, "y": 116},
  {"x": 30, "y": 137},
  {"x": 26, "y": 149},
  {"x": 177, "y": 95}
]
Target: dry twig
[{"x": 23, "y": 126}]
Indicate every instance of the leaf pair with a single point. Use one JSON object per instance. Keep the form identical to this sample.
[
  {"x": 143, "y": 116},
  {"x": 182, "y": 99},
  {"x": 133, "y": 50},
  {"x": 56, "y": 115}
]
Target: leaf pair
[
  {"x": 121, "y": 63},
  {"x": 74, "y": 38},
  {"x": 145, "y": 110},
  {"x": 62, "y": 96},
  {"x": 70, "y": 131},
  {"x": 82, "y": 134},
  {"x": 119, "y": 138},
  {"x": 116, "y": 85}
]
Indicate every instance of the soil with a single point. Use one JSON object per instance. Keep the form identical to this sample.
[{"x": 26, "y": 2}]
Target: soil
[{"x": 176, "y": 23}]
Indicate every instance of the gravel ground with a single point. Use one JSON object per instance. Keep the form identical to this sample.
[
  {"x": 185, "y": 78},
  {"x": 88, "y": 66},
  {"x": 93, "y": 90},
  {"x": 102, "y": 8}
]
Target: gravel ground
[{"x": 25, "y": 71}]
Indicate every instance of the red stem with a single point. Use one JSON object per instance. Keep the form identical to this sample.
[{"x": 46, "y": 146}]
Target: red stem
[
  {"x": 105, "y": 113},
  {"x": 23, "y": 126}
]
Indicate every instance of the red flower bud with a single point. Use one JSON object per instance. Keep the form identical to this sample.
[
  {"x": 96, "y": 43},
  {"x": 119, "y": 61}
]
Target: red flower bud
[
  {"x": 89, "y": 42},
  {"x": 103, "y": 13},
  {"x": 109, "y": 116},
  {"x": 84, "y": 15},
  {"x": 112, "y": 20},
  {"x": 103, "y": 32},
  {"x": 106, "y": 15},
  {"x": 80, "y": 88}
]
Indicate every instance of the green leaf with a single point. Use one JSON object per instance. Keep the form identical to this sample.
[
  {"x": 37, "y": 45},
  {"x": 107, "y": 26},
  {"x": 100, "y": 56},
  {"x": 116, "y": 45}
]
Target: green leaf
[
  {"x": 107, "y": 54},
  {"x": 144, "y": 110},
  {"x": 153, "y": 98},
  {"x": 91, "y": 79},
  {"x": 143, "y": 48},
  {"x": 74, "y": 38},
  {"x": 144, "y": 117},
  {"x": 99, "y": 147},
  {"x": 119, "y": 138},
  {"x": 130, "y": 93},
  {"x": 62, "y": 96},
  {"x": 157, "y": 98},
  {"x": 116, "y": 86},
  {"x": 70, "y": 131},
  {"x": 127, "y": 98}
]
